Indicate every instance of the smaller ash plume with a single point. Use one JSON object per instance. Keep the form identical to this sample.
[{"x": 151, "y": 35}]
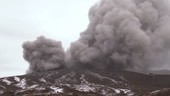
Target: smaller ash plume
[{"x": 43, "y": 54}]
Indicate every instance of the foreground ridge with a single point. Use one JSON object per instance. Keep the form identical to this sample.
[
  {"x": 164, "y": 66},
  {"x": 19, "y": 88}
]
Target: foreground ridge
[{"x": 85, "y": 83}]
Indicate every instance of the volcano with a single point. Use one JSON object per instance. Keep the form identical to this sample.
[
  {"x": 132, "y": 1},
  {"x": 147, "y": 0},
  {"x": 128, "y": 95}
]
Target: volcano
[
  {"x": 121, "y": 35},
  {"x": 66, "y": 82}
]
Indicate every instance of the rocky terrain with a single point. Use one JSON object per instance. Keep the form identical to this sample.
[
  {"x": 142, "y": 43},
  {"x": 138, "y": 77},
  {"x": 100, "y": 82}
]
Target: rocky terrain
[{"x": 85, "y": 83}]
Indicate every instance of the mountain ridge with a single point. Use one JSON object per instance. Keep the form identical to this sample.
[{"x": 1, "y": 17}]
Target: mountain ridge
[{"x": 85, "y": 83}]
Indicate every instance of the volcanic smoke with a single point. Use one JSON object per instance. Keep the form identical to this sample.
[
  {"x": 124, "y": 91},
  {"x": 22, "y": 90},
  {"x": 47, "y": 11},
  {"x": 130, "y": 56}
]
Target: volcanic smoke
[
  {"x": 121, "y": 35},
  {"x": 43, "y": 54}
]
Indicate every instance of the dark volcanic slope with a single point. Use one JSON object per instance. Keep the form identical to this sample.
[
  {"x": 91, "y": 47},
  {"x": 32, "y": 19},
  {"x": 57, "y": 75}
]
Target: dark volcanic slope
[{"x": 85, "y": 83}]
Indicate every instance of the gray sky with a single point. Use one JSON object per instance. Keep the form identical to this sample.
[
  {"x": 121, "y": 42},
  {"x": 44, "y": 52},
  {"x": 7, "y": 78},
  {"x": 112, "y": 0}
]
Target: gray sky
[{"x": 23, "y": 20}]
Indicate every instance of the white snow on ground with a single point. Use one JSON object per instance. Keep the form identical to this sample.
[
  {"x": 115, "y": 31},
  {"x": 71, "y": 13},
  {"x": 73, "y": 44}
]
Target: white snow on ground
[
  {"x": 43, "y": 80},
  {"x": 40, "y": 88},
  {"x": 17, "y": 79},
  {"x": 117, "y": 91},
  {"x": 33, "y": 86},
  {"x": 56, "y": 89},
  {"x": 103, "y": 77},
  {"x": 104, "y": 92},
  {"x": 2, "y": 87},
  {"x": 84, "y": 88},
  {"x": 22, "y": 84},
  {"x": 67, "y": 77},
  {"x": 156, "y": 91},
  {"x": 6, "y": 81},
  {"x": 125, "y": 90}
]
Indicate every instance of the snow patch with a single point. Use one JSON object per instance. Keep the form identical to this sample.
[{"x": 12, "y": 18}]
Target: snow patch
[
  {"x": 6, "y": 81},
  {"x": 156, "y": 91},
  {"x": 84, "y": 88},
  {"x": 2, "y": 86},
  {"x": 56, "y": 89},
  {"x": 22, "y": 83},
  {"x": 43, "y": 80},
  {"x": 40, "y": 88},
  {"x": 127, "y": 91},
  {"x": 17, "y": 79},
  {"x": 103, "y": 77},
  {"x": 104, "y": 92},
  {"x": 33, "y": 86},
  {"x": 117, "y": 91}
]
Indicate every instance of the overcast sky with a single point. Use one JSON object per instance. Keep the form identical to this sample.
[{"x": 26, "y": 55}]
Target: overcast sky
[{"x": 23, "y": 20}]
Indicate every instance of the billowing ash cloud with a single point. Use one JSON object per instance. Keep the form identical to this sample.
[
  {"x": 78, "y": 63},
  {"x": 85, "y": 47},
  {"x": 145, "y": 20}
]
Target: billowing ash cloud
[
  {"x": 124, "y": 34},
  {"x": 43, "y": 54},
  {"x": 121, "y": 35}
]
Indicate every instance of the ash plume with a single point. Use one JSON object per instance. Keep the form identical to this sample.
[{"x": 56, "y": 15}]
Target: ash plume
[
  {"x": 124, "y": 34},
  {"x": 121, "y": 35},
  {"x": 43, "y": 54}
]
